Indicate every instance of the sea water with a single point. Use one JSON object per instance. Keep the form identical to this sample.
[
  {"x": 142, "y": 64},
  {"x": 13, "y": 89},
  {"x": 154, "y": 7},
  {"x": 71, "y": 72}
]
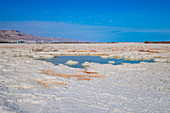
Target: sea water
[{"x": 96, "y": 59}]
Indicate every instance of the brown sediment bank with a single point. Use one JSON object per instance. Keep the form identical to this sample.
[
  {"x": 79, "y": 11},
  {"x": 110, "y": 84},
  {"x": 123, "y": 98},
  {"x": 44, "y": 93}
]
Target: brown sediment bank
[{"x": 158, "y": 42}]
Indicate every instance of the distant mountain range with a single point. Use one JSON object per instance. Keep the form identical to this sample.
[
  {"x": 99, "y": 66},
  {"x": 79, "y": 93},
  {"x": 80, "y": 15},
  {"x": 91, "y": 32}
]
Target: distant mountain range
[{"x": 15, "y": 35}]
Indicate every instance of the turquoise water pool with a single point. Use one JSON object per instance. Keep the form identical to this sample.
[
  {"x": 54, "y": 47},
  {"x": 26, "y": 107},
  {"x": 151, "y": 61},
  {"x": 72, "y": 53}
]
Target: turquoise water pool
[{"x": 96, "y": 59}]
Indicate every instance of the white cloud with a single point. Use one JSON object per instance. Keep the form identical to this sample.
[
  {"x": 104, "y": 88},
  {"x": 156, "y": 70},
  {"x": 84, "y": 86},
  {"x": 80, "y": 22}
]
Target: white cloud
[{"x": 69, "y": 30}]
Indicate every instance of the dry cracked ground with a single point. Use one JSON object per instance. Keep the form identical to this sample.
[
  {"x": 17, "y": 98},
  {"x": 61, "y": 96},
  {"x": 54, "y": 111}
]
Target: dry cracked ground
[{"x": 33, "y": 86}]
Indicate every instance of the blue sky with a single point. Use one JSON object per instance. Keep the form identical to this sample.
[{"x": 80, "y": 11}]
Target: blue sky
[{"x": 89, "y": 20}]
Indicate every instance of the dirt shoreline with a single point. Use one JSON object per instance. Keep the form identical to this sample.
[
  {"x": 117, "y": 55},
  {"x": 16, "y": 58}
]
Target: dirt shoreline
[{"x": 29, "y": 85}]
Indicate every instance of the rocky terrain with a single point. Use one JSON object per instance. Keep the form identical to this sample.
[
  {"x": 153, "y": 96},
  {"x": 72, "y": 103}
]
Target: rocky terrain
[
  {"x": 28, "y": 85},
  {"x": 14, "y": 36}
]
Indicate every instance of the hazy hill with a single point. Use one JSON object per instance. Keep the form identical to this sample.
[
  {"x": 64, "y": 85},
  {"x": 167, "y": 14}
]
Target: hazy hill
[{"x": 15, "y": 35}]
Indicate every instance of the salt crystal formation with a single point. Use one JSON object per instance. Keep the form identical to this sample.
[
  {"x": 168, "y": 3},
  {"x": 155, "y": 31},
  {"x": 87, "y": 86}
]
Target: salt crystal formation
[
  {"x": 70, "y": 62},
  {"x": 36, "y": 86}
]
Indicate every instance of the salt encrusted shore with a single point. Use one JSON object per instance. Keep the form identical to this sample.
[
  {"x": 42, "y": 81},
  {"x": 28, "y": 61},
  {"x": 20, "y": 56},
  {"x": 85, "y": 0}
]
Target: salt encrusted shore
[{"x": 34, "y": 86}]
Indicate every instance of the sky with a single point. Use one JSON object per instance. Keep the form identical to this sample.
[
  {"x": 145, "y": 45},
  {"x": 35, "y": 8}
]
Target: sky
[{"x": 89, "y": 20}]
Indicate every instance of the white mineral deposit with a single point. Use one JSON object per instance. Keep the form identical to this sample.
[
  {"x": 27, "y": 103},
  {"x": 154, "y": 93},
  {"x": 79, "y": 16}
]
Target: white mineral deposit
[
  {"x": 70, "y": 62},
  {"x": 28, "y": 85}
]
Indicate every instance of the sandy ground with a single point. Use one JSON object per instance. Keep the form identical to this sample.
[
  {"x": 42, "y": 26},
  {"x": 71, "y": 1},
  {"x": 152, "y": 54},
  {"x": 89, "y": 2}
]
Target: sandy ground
[{"x": 33, "y": 86}]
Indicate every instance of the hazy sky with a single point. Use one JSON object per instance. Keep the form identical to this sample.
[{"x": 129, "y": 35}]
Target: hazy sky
[{"x": 89, "y": 20}]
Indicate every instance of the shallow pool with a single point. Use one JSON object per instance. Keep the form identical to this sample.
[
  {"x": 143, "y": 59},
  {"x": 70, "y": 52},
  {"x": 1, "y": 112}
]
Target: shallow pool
[{"x": 96, "y": 59}]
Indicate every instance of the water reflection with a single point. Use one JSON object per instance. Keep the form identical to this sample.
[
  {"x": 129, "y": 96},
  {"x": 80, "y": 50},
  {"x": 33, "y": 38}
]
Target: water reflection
[{"x": 96, "y": 59}]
